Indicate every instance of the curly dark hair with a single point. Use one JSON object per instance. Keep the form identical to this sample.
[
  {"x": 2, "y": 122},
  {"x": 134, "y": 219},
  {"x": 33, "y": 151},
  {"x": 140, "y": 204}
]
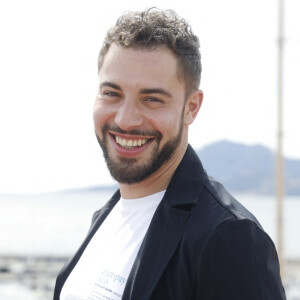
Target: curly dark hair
[{"x": 153, "y": 27}]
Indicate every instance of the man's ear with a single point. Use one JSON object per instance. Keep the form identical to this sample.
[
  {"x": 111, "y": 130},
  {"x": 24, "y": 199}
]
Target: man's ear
[{"x": 192, "y": 106}]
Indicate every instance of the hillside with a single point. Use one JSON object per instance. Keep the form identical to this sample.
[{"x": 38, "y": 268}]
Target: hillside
[{"x": 248, "y": 169}]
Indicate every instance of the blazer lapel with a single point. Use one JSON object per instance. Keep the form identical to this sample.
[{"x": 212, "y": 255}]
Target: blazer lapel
[
  {"x": 98, "y": 219},
  {"x": 156, "y": 251},
  {"x": 166, "y": 228}
]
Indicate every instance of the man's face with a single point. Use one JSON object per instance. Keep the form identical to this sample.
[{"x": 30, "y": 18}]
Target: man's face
[{"x": 138, "y": 112}]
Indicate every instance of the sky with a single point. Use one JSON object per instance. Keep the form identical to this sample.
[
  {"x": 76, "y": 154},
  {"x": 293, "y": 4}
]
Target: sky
[{"x": 48, "y": 73}]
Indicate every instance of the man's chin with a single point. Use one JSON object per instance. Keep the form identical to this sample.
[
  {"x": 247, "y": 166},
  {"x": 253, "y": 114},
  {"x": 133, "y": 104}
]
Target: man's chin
[
  {"x": 131, "y": 170},
  {"x": 128, "y": 170}
]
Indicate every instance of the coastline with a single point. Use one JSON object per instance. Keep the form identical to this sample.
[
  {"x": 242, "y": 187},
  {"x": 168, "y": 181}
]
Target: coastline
[{"x": 36, "y": 276}]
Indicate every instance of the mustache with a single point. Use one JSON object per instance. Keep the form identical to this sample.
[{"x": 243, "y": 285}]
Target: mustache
[{"x": 141, "y": 132}]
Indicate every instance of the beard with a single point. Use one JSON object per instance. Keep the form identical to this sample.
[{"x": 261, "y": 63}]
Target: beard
[{"x": 128, "y": 170}]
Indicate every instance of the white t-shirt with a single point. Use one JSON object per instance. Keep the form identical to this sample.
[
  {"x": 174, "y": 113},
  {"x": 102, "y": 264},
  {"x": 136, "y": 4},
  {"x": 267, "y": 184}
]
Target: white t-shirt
[{"x": 102, "y": 271}]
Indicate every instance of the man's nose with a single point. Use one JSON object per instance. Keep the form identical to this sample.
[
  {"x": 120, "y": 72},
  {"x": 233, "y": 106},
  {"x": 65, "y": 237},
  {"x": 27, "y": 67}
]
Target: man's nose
[{"x": 128, "y": 115}]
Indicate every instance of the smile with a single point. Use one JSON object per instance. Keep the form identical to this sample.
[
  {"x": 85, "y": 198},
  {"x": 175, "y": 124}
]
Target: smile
[{"x": 130, "y": 143}]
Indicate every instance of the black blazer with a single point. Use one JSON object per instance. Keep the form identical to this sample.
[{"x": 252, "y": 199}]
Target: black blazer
[{"x": 201, "y": 244}]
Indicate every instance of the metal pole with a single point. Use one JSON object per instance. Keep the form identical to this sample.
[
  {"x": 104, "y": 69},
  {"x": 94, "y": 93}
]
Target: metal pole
[{"x": 280, "y": 167}]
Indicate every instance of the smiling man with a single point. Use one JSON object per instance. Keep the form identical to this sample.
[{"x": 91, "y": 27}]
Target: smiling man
[
  {"x": 141, "y": 117},
  {"x": 170, "y": 231}
]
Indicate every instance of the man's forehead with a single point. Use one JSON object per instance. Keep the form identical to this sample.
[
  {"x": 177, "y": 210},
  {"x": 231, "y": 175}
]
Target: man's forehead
[
  {"x": 143, "y": 71},
  {"x": 140, "y": 61}
]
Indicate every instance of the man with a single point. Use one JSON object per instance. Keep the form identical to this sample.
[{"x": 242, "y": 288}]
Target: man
[{"x": 169, "y": 232}]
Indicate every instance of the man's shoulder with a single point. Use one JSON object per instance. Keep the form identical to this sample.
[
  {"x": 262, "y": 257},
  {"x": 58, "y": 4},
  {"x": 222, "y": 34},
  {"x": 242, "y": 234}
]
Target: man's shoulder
[
  {"x": 209, "y": 202},
  {"x": 215, "y": 209},
  {"x": 224, "y": 202}
]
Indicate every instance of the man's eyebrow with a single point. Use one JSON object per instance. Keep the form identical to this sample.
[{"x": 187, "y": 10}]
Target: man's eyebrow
[
  {"x": 110, "y": 84},
  {"x": 155, "y": 91}
]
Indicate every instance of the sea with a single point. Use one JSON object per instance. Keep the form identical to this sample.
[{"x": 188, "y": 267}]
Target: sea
[{"x": 54, "y": 224}]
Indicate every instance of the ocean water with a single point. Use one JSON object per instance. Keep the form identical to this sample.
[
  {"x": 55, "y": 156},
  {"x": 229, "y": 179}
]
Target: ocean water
[
  {"x": 46, "y": 224},
  {"x": 55, "y": 224}
]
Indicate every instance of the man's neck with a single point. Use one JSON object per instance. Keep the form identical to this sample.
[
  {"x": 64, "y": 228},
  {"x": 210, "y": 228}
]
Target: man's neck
[{"x": 156, "y": 182}]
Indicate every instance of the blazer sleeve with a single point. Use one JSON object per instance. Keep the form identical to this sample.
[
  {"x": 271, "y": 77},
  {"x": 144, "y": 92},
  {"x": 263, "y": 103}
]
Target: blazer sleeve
[{"x": 239, "y": 263}]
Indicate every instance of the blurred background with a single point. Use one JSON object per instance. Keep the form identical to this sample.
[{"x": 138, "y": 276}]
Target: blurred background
[{"x": 52, "y": 173}]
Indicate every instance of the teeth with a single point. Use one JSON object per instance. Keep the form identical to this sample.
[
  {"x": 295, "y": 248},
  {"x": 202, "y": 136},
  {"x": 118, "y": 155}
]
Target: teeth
[{"x": 130, "y": 143}]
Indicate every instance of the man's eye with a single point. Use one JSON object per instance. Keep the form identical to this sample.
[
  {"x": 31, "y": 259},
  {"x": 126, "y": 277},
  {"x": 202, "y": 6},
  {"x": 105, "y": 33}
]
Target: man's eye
[
  {"x": 151, "y": 99},
  {"x": 111, "y": 94}
]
